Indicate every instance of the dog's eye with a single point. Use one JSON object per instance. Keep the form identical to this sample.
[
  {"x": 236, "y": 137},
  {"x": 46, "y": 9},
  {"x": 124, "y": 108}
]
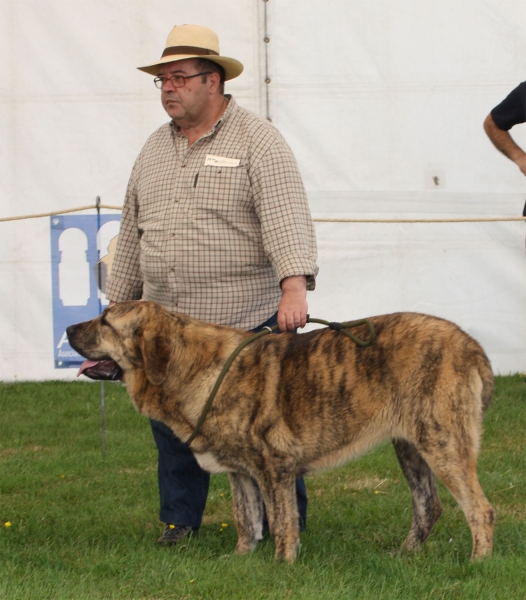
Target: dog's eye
[{"x": 104, "y": 322}]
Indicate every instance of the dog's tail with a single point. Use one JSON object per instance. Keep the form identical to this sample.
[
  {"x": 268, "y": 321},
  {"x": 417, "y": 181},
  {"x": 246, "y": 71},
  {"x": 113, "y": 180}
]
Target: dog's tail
[
  {"x": 488, "y": 386},
  {"x": 488, "y": 380}
]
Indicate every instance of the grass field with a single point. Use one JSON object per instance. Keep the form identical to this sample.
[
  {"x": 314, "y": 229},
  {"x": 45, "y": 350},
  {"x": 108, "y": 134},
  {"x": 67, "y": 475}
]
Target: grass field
[{"x": 76, "y": 525}]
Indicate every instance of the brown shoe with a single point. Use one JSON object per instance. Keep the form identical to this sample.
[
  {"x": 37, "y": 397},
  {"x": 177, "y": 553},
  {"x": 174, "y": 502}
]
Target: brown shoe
[{"x": 174, "y": 533}]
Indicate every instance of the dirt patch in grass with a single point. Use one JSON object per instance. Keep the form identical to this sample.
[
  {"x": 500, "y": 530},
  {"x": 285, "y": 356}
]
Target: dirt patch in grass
[{"x": 25, "y": 450}]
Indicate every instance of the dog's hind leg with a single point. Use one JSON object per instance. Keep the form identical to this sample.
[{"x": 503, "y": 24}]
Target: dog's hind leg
[
  {"x": 457, "y": 469},
  {"x": 248, "y": 512},
  {"x": 426, "y": 502}
]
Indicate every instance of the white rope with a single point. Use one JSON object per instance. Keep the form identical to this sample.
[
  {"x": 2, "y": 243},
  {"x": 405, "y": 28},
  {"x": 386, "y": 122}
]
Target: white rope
[
  {"x": 316, "y": 219},
  {"x": 59, "y": 212},
  {"x": 449, "y": 220}
]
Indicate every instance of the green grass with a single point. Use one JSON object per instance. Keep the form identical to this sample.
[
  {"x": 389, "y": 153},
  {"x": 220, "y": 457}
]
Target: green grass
[{"x": 84, "y": 526}]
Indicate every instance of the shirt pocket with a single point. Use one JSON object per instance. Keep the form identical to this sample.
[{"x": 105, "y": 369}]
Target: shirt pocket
[
  {"x": 155, "y": 191},
  {"x": 220, "y": 192},
  {"x": 152, "y": 215}
]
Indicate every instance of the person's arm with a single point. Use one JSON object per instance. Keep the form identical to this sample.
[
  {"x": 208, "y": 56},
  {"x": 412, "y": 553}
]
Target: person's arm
[
  {"x": 503, "y": 141},
  {"x": 287, "y": 229},
  {"x": 125, "y": 280}
]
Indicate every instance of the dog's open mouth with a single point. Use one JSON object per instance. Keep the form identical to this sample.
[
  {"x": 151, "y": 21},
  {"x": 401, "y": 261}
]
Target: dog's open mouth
[
  {"x": 100, "y": 369},
  {"x": 86, "y": 365}
]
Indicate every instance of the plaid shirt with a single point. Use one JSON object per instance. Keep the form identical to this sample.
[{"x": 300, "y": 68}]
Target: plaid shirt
[{"x": 211, "y": 230}]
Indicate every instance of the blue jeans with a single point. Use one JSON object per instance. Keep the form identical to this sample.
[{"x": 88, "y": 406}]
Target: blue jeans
[{"x": 183, "y": 485}]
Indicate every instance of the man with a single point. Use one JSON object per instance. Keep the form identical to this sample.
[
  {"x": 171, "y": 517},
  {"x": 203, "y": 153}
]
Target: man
[
  {"x": 215, "y": 225},
  {"x": 511, "y": 111}
]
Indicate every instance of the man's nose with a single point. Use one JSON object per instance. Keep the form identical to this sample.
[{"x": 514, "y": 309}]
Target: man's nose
[{"x": 168, "y": 85}]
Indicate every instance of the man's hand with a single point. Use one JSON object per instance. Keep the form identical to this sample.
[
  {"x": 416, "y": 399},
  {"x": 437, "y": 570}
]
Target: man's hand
[
  {"x": 292, "y": 309},
  {"x": 503, "y": 141}
]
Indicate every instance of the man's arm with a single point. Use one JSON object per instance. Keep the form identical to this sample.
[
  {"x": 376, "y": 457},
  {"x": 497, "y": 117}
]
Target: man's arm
[
  {"x": 125, "y": 280},
  {"x": 287, "y": 229},
  {"x": 503, "y": 141}
]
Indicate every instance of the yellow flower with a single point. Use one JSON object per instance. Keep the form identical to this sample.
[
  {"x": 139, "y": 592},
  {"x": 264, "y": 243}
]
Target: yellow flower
[
  {"x": 171, "y": 526},
  {"x": 7, "y": 524},
  {"x": 192, "y": 580}
]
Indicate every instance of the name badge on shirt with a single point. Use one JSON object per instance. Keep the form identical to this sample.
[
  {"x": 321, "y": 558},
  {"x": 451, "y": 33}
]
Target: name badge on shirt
[{"x": 221, "y": 161}]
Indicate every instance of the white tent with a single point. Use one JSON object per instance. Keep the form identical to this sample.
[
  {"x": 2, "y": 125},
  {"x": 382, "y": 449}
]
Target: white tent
[{"x": 382, "y": 103}]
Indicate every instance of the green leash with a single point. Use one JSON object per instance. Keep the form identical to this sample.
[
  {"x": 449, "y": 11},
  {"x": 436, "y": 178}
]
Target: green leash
[{"x": 336, "y": 326}]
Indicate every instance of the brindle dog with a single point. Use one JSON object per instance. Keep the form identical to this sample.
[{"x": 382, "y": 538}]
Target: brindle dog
[{"x": 295, "y": 403}]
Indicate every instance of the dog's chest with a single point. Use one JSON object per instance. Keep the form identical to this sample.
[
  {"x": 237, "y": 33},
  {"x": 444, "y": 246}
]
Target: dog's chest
[{"x": 208, "y": 462}]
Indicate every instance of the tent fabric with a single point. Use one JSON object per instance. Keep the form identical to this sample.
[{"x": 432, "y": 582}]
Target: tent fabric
[{"x": 382, "y": 104}]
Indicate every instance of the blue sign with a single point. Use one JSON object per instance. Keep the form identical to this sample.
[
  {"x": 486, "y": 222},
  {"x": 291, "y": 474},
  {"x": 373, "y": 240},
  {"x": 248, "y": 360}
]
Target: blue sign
[{"x": 82, "y": 249}]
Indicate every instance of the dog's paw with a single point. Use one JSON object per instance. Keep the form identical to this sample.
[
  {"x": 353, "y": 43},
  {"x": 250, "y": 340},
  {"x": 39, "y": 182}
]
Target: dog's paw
[{"x": 245, "y": 546}]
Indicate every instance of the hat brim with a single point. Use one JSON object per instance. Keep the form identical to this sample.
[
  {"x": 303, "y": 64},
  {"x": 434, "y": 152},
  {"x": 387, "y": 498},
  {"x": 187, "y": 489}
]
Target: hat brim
[{"x": 233, "y": 68}]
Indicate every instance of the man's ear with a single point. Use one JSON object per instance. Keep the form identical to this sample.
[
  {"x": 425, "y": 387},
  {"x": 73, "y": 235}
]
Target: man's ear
[
  {"x": 215, "y": 80},
  {"x": 156, "y": 348}
]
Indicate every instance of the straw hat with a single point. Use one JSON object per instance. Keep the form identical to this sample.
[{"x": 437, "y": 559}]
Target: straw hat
[{"x": 194, "y": 41}]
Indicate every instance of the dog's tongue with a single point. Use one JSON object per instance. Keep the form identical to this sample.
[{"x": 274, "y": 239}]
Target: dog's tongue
[
  {"x": 101, "y": 370},
  {"x": 86, "y": 365}
]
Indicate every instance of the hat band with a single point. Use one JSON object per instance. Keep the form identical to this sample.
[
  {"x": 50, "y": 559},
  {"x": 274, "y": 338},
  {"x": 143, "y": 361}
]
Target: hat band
[{"x": 173, "y": 50}]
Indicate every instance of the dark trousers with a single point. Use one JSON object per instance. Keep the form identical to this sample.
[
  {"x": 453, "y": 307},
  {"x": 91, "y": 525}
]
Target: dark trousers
[{"x": 183, "y": 485}]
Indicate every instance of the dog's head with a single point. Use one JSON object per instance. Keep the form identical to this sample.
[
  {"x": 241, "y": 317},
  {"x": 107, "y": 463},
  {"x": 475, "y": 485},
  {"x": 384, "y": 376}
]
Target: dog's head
[{"x": 135, "y": 334}]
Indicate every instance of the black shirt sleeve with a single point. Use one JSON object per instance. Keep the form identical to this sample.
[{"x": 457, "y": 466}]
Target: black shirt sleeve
[{"x": 512, "y": 110}]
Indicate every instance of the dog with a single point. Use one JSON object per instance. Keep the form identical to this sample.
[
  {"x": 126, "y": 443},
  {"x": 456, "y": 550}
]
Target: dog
[{"x": 292, "y": 404}]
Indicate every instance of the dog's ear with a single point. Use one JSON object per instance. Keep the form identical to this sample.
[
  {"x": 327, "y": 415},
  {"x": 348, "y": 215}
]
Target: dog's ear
[{"x": 156, "y": 350}]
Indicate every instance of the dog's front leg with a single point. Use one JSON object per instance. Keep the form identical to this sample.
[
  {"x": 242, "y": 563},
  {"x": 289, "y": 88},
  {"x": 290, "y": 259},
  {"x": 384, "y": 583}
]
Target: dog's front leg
[
  {"x": 248, "y": 512},
  {"x": 279, "y": 494}
]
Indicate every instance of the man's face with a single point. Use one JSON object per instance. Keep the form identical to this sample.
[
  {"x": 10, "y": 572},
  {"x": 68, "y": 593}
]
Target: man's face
[{"x": 188, "y": 103}]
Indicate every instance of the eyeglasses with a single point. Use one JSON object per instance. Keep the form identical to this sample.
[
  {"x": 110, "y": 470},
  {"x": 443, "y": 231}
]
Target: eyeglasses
[{"x": 177, "y": 81}]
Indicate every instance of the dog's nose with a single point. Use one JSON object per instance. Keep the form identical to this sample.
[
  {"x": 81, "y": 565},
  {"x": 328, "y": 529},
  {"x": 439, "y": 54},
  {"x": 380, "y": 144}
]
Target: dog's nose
[{"x": 70, "y": 330}]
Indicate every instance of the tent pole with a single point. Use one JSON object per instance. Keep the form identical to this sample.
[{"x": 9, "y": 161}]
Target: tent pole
[
  {"x": 103, "y": 418},
  {"x": 102, "y": 390}
]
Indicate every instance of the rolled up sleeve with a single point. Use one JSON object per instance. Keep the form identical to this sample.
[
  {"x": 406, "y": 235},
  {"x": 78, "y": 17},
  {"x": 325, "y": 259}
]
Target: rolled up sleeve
[{"x": 282, "y": 207}]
